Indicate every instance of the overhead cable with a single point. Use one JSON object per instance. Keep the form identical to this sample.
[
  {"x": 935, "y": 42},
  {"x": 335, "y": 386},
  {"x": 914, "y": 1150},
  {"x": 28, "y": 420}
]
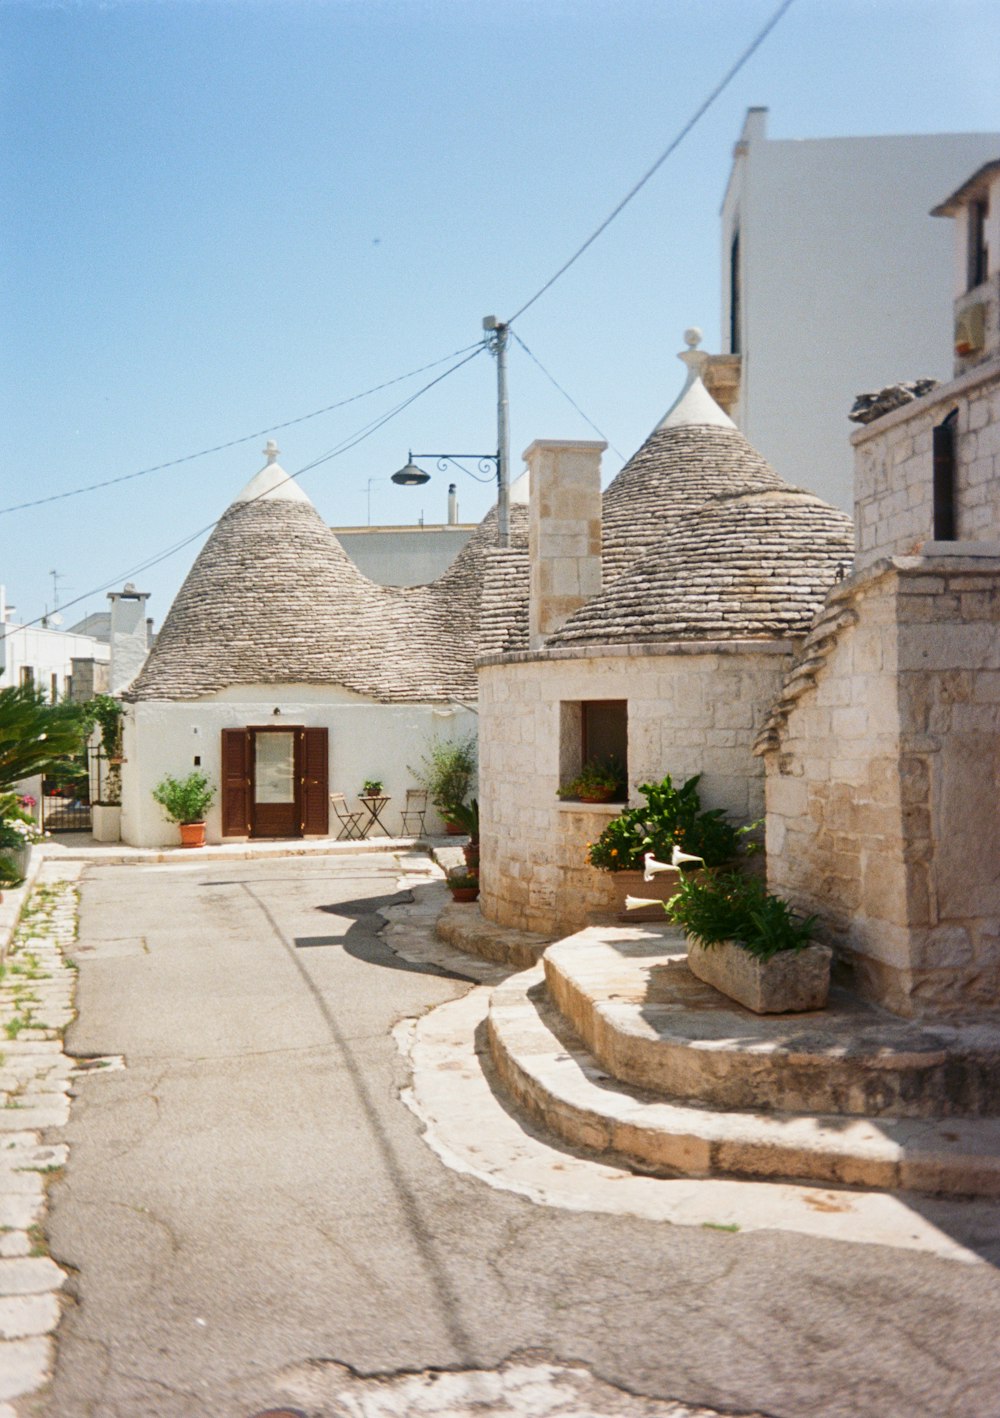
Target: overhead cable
[
  {"x": 698, "y": 114},
  {"x": 568, "y": 397},
  {"x": 350, "y": 442},
  {"x": 235, "y": 442}
]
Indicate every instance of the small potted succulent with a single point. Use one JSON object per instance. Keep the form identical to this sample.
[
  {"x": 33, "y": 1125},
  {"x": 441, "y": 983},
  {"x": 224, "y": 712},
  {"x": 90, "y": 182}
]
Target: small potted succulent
[
  {"x": 185, "y": 801},
  {"x": 599, "y": 781}
]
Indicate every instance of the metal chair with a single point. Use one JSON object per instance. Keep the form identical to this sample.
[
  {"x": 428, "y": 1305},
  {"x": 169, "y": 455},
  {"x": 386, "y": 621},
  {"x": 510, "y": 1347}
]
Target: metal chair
[
  {"x": 415, "y": 811},
  {"x": 350, "y": 830}
]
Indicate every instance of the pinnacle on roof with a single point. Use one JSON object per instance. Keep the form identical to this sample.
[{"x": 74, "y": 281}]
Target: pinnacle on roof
[
  {"x": 272, "y": 481},
  {"x": 694, "y": 404}
]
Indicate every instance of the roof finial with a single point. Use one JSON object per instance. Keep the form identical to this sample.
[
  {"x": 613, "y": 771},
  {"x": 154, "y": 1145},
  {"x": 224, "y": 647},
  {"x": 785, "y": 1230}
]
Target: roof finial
[
  {"x": 271, "y": 451},
  {"x": 694, "y": 404},
  {"x": 693, "y": 357}
]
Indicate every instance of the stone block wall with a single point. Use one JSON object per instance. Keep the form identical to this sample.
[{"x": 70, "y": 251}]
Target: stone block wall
[
  {"x": 693, "y": 708},
  {"x": 894, "y": 469},
  {"x": 882, "y": 787}
]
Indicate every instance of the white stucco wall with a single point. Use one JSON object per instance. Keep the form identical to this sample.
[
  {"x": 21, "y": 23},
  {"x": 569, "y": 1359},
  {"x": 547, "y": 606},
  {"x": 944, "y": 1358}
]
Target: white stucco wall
[
  {"x": 48, "y": 651},
  {"x": 846, "y": 283},
  {"x": 367, "y": 740}
]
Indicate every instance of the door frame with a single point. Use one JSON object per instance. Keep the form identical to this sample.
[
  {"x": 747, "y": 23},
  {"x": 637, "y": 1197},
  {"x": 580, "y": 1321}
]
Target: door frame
[{"x": 298, "y": 730}]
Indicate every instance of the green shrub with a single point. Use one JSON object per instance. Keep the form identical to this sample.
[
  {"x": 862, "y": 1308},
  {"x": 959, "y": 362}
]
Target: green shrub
[
  {"x": 448, "y": 770},
  {"x": 671, "y": 815},
  {"x": 716, "y": 907},
  {"x": 597, "y": 776},
  {"x": 185, "y": 800}
]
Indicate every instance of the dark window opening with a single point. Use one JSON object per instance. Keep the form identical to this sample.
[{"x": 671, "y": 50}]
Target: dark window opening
[
  {"x": 979, "y": 255},
  {"x": 735, "y": 298},
  {"x": 945, "y": 510},
  {"x": 593, "y": 731}
]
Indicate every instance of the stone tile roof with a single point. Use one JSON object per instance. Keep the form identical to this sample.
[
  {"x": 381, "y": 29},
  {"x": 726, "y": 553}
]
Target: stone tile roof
[
  {"x": 673, "y": 474},
  {"x": 272, "y": 598},
  {"x": 752, "y": 563}
]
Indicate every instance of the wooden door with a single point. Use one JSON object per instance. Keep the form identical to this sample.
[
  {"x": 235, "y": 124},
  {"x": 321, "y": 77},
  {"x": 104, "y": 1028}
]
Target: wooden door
[
  {"x": 314, "y": 779},
  {"x": 236, "y": 816},
  {"x": 275, "y": 773}
]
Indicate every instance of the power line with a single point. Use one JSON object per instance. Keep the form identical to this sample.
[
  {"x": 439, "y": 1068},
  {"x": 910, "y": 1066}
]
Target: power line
[
  {"x": 235, "y": 442},
  {"x": 699, "y": 113},
  {"x": 568, "y": 397},
  {"x": 350, "y": 442}
]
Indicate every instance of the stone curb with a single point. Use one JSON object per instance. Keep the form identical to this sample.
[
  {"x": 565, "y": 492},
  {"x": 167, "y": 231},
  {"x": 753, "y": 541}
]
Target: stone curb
[
  {"x": 14, "y": 898},
  {"x": 117, "y": 855}
]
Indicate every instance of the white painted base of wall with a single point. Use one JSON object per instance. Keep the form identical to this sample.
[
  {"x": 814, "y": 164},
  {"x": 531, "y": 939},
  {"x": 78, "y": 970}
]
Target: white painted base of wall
[
  {"x": 106, "y": 822},
  {"x": 367, "y": 740}
]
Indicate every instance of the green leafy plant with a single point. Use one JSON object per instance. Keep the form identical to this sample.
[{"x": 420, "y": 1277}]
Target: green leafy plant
[
  {"x": 187, "y": 799},
  {"x": 598, "y": 778},
  {"x": 466, "y": 816},
  {"x": 448, "y": 770},
  {"x": 106, "y": 712},
  {"x": 726, "y": 906},
  {"x": 670, "y": 816},
  {"x": 372, "y": 788},
  {"x": 36, "y": 736},
  {"x": 463, "y": 880}
]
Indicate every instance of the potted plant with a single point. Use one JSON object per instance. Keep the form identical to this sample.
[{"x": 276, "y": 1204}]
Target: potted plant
[
  {"x": 671, "y": 817},
  {"x": 599, "y": 781},
  {"x": 372, "y": 788},
  {"x": 105, "y": 811},
  {"x": 751, "y": 946},
  {"x": 463, "y": 885},
  {"x": 185, "y": 801},
  {"x": 18, "y": 834},
  {"x": 466, "y": 818},
  {"x": 448, "y": 771}
]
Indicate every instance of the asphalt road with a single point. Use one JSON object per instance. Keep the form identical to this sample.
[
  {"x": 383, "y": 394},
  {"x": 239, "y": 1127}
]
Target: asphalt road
[{"x": 249, "y": 1202}]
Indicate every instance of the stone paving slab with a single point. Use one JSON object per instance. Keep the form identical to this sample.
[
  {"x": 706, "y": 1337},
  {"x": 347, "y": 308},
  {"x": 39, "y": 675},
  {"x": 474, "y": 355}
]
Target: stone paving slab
[{"x": 36, "y": 1004}]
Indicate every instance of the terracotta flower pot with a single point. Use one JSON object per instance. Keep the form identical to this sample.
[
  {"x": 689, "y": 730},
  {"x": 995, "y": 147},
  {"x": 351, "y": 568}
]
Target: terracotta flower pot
[
  {"x": 192, "y": 834},
  {"x": 453, "y": 829},
  {"x": 464, "y": 893}
]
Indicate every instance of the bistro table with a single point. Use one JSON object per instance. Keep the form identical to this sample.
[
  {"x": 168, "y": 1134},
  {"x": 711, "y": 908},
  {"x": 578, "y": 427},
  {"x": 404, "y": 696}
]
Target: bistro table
[{"x": 373, "y": 806}]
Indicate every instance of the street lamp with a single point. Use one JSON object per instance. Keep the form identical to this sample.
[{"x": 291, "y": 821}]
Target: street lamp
[{"x": 496, "y": 464}]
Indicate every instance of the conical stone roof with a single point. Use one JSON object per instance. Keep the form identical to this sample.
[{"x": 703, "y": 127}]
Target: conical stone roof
[
  {"x": 748, "y": 564},
  {"x": 273, "y": 598}
]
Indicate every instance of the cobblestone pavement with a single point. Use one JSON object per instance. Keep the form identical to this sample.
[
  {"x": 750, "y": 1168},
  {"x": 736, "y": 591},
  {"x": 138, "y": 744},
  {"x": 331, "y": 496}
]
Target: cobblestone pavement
[{"x": 36, "y": 1005}]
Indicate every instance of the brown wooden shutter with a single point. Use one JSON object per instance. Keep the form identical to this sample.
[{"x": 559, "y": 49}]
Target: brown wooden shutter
[
  {"x": 315, "y": 783},
  {"x": 235, "y": 782}
]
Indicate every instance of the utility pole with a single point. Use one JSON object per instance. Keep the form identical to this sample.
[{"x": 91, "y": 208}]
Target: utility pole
[{"x": 498, "y": 347}]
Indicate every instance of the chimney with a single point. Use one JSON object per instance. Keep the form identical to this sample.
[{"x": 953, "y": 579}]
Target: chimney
[
  {"x": 452, "y": 505},
  {"x": 564, "y": 531},
  {"x": 129, "y": 636}
]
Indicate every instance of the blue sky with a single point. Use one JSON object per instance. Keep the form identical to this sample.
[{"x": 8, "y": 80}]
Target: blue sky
[{"x": 221, "y": 215}]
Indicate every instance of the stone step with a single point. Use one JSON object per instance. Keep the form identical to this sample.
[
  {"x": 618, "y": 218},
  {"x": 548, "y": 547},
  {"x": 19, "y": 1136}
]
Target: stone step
[
  {"x": 629, "y": 996},
  {"x": 548, "y": 1072}
]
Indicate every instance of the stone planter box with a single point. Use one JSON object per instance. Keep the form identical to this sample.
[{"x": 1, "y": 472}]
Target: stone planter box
[
  {"x": 790, "y": 982},
  {"x": 19, "y": 858},
  {"x": 106, "y": 822}
]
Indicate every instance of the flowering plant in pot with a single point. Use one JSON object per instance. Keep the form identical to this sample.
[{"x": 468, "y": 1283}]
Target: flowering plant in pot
[
  {"x": 463, "y": 885},
  {"x": 18, "y": 833},
  {"x": 372, "y": 788},
  {"x": 598, "y": 781},
  {"x": 185, "y": 801}
]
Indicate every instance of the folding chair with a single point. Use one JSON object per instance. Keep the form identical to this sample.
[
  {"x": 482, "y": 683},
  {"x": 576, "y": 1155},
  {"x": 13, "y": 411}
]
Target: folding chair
[
  {"x": 415, "y": 812},
  {"x": 349, "y": 828}
]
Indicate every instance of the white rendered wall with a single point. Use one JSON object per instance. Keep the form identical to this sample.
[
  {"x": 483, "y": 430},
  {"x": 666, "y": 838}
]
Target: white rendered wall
[
  {"x": 846, "y": 283},
  {"x": 366, "y": 741},
  {"x": 48, "y": 652},
  {"x": 404, "y": 556}
]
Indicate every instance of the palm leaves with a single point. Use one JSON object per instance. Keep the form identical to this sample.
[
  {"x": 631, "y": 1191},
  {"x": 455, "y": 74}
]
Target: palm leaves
[{"x": 34, "y": 735}]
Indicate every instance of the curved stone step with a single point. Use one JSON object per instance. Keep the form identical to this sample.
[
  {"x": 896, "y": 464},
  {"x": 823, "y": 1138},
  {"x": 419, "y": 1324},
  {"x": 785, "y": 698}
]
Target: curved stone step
[
  {"x": 630, "y": 997},
  {"x": 549, "y": 1073}
]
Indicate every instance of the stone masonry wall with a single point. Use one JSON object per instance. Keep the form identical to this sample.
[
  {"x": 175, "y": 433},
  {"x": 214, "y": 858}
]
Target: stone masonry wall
[
  {"x": 894, "y": 469},
  {"x": 881, "y": 789},
  {"x": 691, "y": 708}
]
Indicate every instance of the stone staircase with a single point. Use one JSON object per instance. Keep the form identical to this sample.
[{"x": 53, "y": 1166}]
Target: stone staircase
[{"x": 612, "y": 1045}]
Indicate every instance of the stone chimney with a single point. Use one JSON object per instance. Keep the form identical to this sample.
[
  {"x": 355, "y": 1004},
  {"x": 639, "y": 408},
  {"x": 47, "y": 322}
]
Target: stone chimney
[
  {"x": 564, "y": 531},
  {"x": 129, "y": 636}
]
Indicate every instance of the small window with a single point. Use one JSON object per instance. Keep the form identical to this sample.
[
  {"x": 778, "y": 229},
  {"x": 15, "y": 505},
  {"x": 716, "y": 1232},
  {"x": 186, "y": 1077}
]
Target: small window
[
  {"x": 945, "y": 510},
  {"x": 27, "y": 676},
  {"x": 592, "y": 731},
  {"x": 735, "y": 298},
  {"x": 979, "y": 255}
]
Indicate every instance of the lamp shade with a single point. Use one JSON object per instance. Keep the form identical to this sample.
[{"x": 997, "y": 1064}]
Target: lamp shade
[{"x": 411, "y": 476}]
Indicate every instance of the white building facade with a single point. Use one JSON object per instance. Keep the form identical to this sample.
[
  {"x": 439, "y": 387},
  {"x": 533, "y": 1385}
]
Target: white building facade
[{"x": 834, "y": 282}]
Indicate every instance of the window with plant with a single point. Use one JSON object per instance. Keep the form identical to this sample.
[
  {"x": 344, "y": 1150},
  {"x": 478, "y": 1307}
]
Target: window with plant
[{"x": 671, "y": 816}]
